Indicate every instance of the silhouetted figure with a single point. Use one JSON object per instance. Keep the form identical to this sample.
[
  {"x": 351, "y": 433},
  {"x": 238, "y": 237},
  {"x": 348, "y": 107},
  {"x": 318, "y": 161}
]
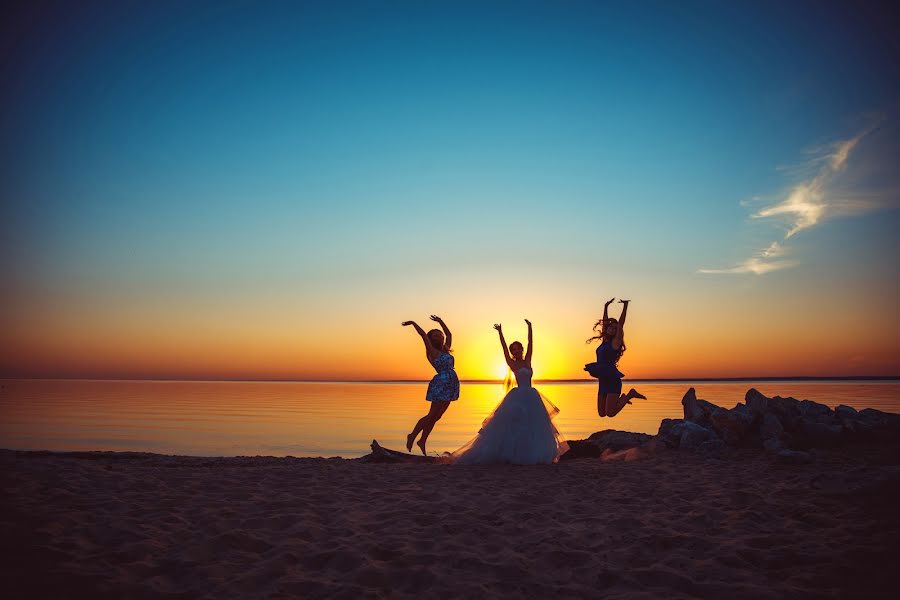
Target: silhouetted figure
[
  {"x": 520, "y": 430},
  {"x": 443, "y": 387},
  {"x": 611, "y": 332}
]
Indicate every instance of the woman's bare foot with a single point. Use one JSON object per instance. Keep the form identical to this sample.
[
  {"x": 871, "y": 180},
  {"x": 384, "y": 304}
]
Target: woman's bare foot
[
  {"x": 633, "y": 393},
  {"x": 421, "y": 444},
  {"x": 409, "y": 442}
]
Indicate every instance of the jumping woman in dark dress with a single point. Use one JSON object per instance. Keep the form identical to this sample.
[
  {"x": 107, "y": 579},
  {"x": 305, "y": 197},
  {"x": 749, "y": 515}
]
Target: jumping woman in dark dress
[
  {"x": 611, "y": 332},
  {"x": 443, "y": 387}
]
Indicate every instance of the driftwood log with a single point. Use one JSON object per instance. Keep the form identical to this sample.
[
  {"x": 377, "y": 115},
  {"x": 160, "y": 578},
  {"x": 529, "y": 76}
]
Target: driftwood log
[{"x": 381, "y": 454}]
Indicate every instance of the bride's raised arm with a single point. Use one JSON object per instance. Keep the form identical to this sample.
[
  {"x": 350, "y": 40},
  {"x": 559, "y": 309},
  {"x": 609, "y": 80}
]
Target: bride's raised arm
[
  {"x": 506, "y": 355},
  {"x": 530, "y": 345}
]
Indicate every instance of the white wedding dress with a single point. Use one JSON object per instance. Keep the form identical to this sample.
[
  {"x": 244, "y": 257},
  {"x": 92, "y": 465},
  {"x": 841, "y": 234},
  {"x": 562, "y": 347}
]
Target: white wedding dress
[{"x": 520, "y": 431}]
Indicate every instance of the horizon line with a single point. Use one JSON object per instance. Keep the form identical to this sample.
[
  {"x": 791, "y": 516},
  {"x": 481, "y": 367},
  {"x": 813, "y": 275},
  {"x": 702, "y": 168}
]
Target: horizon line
[{"x": 589, "y": 380}]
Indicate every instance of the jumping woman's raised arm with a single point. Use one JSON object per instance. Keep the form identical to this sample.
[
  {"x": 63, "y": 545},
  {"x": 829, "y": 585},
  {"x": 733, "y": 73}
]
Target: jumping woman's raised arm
[
  {"x": 447, "y": 335},
  {"x": 606, "y": 309},
  {"x": 530, "y": 345},
  {"x": 620, "y": 331},
  {"x": 430, "y": 350},
  {"x": 506, "y": 355}
]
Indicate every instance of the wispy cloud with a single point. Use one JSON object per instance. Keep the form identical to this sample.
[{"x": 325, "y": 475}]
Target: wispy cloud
[
  {"x": 764, "y": 261},
  {"x": 809, "y": 201},
  {"x": 816, "y": 197}
]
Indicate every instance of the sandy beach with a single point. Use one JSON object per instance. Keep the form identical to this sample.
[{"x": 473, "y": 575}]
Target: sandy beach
[{"x": 676, "y": 525}]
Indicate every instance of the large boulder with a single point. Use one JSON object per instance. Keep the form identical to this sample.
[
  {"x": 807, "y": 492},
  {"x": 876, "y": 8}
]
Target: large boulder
[
  {"x": 881, "y": 418},
  {"x": 686, "y": 435},
  {"x": 846, "y": 412},
  {"x": 733, "y": 426},
  {"x": 696, "y": 410},
  {"x": 756, "y": 402},
  {"x": 785, "y": 408},
  {"x": 772, "y": 434},
  {"x": 670, "y": 432},
  {"x": 618, "y": 440},
  {"x": 812, "y": 434},
  {"x": 808, "y": 409},
  {"x": 878, "y": 423},
  {"x": 693, "y": 435}
]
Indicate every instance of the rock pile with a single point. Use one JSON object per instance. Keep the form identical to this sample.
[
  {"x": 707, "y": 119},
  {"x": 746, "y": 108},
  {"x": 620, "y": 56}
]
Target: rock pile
[{"x": 785, "y": 426}]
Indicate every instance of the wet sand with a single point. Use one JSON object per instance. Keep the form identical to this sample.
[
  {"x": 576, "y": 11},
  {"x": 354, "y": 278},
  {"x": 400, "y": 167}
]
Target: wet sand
[{"x": 674, "y": 525}]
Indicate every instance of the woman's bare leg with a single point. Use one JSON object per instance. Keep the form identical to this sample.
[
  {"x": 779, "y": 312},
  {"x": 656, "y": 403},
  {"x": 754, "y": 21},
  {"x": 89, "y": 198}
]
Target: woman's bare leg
[
  {"x": 434, "y": 415},
  {"x": 615, "y": 404},
  {"x": 601, "y": 404},
  {"x": 420, "y": 425}
]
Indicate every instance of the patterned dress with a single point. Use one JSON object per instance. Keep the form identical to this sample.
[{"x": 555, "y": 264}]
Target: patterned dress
[{"x": 444, "y": 386}]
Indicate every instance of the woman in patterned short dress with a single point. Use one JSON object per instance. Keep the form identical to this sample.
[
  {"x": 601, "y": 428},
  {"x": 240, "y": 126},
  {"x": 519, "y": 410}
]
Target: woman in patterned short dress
[{"x": 443, "y": 387}]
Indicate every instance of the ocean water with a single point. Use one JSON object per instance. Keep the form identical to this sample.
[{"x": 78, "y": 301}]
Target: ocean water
[{"x": 334, "y": 419}]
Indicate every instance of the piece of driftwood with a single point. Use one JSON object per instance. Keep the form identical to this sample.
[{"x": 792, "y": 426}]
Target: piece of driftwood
[{"x": 386, "y": 455}]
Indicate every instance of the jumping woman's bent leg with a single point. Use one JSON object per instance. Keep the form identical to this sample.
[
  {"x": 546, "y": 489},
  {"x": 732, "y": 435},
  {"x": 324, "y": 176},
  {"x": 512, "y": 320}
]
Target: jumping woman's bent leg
[
  {"x": 420, "y": 425},
  {"x": 614, "y": 405},
  {"x": 601, "y": 404},
  {"x": 434, "y": 415}
]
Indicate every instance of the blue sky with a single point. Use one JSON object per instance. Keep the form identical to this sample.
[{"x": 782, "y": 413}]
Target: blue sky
[{"x": 169, "y": 149}]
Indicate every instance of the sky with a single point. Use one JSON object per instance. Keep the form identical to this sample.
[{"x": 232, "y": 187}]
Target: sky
[{"x": 265, "y": 190}]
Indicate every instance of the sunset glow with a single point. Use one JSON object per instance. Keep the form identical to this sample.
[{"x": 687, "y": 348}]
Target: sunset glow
[{"x": 231, "y": 194}]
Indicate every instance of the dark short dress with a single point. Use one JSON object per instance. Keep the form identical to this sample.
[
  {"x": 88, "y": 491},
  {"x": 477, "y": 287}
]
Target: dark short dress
[
  {"x": 610, "y": 378},
  {"x": 444, "y": 386}
]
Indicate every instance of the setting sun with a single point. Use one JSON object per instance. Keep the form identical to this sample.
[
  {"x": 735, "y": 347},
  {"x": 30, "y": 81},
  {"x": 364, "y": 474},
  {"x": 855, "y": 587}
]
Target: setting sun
[{"x": 502, "y": 370}]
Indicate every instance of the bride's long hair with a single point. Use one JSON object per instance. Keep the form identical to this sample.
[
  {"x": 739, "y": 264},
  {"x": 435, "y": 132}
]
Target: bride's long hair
[{"x": 600, "y": 327}]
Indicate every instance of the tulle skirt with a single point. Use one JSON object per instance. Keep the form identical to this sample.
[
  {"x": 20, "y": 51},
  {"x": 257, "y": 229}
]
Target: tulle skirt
[{"x": 519, "y": 431}]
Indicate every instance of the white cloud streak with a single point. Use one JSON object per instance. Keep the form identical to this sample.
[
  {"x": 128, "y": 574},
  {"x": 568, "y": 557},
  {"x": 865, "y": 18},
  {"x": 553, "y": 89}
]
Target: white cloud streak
[
  {"x": 764, "y": 261},
  {"x": 808, "y": 202},
  {"x": 805, "y": 205}
]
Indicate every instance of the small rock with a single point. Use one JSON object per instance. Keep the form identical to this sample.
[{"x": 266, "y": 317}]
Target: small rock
[
  {"x": 794, "y": 457},
  {"x": 773, "y": 445},
  {"x": 713, "y": 446}
]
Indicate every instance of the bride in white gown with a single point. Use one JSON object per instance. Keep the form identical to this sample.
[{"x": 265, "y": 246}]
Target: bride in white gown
[{"x": 520, "y": 430}]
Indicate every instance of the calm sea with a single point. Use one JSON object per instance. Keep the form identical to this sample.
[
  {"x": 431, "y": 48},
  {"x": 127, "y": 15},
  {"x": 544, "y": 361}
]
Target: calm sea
[{"x": 332, "y": 419}]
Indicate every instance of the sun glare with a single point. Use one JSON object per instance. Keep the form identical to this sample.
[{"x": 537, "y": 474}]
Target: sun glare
[{"x": 502, "y": 369}]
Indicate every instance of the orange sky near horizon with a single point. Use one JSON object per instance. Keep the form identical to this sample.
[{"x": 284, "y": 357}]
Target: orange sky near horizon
[{"x": 741, "y": 330}]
